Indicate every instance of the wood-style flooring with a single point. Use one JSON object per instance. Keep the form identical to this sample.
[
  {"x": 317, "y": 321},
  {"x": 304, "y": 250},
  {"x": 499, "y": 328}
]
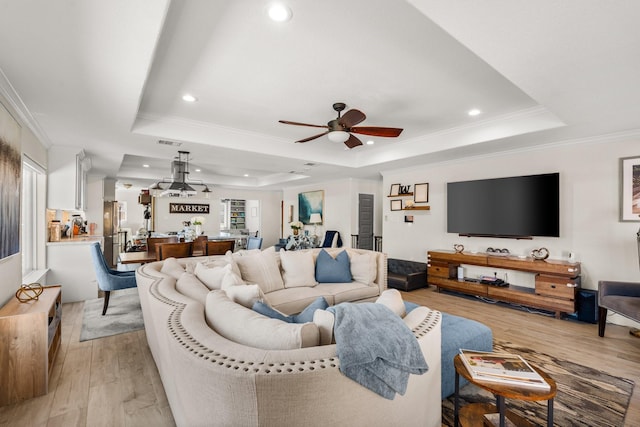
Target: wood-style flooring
[{"x": 113, "y": 381}]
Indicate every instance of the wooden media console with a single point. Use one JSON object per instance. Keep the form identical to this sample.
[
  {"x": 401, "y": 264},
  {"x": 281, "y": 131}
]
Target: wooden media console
[{"x": 556, "y": 281}]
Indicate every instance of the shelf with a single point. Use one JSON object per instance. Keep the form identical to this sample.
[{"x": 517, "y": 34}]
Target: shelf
[
  {"x": 35, "y": 331},
  {"x": 401, "y": 195},
  {"x": 417, "y": 208},
  {"x": 556, "y": 281}
]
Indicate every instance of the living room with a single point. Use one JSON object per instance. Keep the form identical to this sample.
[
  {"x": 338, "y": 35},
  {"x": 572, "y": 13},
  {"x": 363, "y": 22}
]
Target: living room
[{"x": 588, "y": 161}]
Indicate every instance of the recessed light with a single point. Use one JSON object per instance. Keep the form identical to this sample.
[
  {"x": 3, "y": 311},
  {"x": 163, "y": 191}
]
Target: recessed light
[
  {"x": 189, "y": 98},
  {"x": 198, "y": 170},
  {"x": 474, "y": 112},
  {"x": 370, "y": 142},
  {"x": 279, "y": 12},
  {"x": 246, "y": 174},
  {"x": 145, "y": 166}
]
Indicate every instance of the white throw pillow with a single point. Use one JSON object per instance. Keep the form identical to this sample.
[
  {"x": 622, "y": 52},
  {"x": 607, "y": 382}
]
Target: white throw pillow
[
  {"x": 244, "y": 326},
  {"x": 245, "y": 295},
  {"x": 325, "y": 321},
  {"x": 171, "y": 267},
  {"x": 261, "y": 268},
  {"x": 189, "y": 285},
  {"x": 213, "y": 276},
  {"x": 363, "y": 267},
  {"x": 298, "y": 269},
  {"x": 393, "y": 300}
]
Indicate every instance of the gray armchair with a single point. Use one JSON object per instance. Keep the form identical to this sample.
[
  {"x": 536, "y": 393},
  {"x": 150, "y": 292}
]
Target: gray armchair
[{"x": 620, "y": 297}]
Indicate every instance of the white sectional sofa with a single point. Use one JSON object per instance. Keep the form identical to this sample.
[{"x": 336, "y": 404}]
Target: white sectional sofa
[{"x": 212, "y": 380}]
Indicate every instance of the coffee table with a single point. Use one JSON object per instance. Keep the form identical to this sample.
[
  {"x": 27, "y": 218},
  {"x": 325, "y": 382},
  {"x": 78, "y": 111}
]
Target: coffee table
[{"x": 474, "y": 414}]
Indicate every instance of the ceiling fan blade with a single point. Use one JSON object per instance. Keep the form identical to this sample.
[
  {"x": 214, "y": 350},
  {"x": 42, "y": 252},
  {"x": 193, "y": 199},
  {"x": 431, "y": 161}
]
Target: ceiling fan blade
[
  {"x": 352, "y": 142},
  {"x": 286, "y": 122},
  {"x": 377, "y": 131},
  {"x": 313, "y": 137},
  {"x": 351, "y": 118}
]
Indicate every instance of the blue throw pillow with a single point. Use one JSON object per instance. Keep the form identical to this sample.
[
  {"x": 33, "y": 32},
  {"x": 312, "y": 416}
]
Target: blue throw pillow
[
  {"x": 305, "y": 316},
  {"x": 266, "y": 310},
  {"x": 330, "y": 270}
]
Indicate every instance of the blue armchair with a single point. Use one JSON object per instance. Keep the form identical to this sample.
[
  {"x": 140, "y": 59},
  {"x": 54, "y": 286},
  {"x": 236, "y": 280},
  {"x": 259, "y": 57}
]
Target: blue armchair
[{"x": 109, "y": 279}]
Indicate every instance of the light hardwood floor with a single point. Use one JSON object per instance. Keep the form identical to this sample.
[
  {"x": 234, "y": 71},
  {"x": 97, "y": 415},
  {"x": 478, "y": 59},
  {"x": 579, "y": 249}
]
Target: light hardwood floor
[{"x": 113, "y": 381}]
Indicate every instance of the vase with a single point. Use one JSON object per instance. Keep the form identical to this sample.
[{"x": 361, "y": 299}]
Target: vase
[
  {"x": 295, "y": 231},
  {"x": 198, "y": 229}
]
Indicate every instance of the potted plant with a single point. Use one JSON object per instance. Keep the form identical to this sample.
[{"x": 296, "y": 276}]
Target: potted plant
[
  {"x": 198, "y": 222},
  {"x": 295, "y": 226}
]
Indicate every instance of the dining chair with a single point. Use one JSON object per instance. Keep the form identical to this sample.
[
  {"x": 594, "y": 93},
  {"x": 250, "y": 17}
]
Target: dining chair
[
  {"x": 200, "y": 245},
  {"x": 220, "y": 247},
  {"x": 109, "y": 279},
  {"x": 254, "y": 242},
  {"x": 174, "y": 250},
  {"x": 153, "y": 241}
]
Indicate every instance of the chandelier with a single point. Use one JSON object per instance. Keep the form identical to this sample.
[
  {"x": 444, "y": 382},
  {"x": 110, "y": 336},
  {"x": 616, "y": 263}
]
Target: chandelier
[{"x": 179, "y": 184}]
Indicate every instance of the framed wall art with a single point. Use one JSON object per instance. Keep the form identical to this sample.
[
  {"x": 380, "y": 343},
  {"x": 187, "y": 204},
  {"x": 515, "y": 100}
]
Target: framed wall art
[
  {"x": 10, "y": 183},
  {"x": 396, "y": 205},
  {"x": 395, "y": 190},
  {"x": 421, "y": 193},
  {"x": 630, "y": 189},
  {"x": 308, "y": 203}
]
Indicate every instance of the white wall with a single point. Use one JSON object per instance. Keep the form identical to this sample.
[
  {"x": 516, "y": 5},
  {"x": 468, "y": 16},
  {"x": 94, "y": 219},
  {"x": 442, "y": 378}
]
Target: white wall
[
  {"x": 135, "y": 211},
  {"x": 589, "y": 209},
  {"x": 269, "y": 211},
  {"x": 11, "y": 267},
  {"x": 340, "y": 206}
]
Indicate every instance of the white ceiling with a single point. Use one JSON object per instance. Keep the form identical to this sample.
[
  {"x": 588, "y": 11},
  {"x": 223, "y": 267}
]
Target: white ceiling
[{"x": 108, "y": 76}]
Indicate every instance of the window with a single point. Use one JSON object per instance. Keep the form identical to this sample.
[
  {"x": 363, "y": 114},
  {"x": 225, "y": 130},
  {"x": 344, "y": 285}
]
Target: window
[{"x": 33, "y": 191}]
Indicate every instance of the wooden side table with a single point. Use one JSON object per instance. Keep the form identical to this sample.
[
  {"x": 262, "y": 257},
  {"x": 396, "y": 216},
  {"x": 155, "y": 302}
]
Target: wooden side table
[{"x": 474, "y": 414}]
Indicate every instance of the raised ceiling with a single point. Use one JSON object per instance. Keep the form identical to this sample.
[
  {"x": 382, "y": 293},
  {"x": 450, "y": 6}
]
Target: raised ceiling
[{"x": 108, "y": 76}]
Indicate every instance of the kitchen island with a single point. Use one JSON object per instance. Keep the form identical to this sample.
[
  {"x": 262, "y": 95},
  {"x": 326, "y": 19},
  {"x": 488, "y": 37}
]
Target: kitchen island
[{"x": 71, "y": 266}]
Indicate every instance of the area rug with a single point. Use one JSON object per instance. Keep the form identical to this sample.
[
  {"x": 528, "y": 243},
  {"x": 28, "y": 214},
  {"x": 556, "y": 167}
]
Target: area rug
[
  {"x": 586, "y": 396},
  {"x": 123, "y": 315}
]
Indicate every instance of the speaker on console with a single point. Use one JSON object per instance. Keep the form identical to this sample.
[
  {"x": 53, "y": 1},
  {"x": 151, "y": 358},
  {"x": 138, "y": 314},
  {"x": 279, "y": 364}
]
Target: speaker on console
[{"x": 587, "y": 303}]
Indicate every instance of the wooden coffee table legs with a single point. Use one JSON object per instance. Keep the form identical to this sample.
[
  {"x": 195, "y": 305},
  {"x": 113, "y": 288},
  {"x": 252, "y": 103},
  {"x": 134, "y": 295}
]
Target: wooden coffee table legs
[{"x": 473, "y": 415}]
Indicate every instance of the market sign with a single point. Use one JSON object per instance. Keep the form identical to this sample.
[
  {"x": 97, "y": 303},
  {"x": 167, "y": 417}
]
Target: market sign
[{"x": 190, "y": 208}]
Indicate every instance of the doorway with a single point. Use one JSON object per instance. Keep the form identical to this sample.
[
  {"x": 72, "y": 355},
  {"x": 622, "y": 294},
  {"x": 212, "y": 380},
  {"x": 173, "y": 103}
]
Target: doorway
[{"x": 365, "y": 221}]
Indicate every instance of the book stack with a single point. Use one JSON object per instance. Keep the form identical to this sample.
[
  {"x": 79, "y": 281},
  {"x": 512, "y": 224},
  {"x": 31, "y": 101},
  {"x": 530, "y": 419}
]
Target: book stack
[{"x": 503, "y": 368}]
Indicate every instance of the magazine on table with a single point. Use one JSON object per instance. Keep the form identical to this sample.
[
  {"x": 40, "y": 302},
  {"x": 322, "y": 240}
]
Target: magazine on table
[{"x": 505, "y": 368}]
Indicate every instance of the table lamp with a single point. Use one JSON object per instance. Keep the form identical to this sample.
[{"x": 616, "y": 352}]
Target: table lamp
[{"x": 315, "y": 219}]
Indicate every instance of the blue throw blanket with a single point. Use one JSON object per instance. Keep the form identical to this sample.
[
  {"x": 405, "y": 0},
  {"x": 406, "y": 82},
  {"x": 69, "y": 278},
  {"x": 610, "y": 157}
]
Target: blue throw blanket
[{"x": 375, "y": 347}]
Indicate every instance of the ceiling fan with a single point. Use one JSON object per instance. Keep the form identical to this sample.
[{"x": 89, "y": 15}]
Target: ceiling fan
[{"x": 342, "y": 128}]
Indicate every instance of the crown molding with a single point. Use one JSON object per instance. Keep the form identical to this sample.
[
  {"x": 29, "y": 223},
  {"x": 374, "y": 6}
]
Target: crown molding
[{"x": 14, "y": 100}]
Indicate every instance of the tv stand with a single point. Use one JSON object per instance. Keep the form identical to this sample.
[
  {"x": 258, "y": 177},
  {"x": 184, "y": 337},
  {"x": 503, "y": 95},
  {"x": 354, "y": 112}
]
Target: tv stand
[{"x": 556, "y": 281}]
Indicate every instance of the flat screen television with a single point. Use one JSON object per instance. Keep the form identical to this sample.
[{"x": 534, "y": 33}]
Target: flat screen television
[{"x": 516, "y": 207}]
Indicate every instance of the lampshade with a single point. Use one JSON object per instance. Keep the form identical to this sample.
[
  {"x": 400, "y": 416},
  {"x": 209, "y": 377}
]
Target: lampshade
[
  {"x": 315, "y": 218},
  {"x": 338, "y": 136}
]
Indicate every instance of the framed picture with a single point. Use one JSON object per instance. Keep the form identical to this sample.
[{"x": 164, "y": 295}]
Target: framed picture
[
  {"x": 395, "y": 190},
  {"x": 408, "y": 218},
  {"x": 396, "y": 205},
  {"x": 10, "y": 183},
  {"x": 309, "y": 203},
  {"x": 630, "y": 189},
  {"x": 421, "y": 193}
]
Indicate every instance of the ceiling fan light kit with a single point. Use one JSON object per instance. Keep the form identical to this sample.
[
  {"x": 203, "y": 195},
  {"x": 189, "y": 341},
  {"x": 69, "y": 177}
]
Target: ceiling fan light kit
[
  {"x": 338, "y": 136},
  {"x": 343, "y": 127}
]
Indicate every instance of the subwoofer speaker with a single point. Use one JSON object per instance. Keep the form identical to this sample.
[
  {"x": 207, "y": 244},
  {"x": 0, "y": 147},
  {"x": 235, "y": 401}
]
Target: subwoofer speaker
[{"x": 587, "y": 303}]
